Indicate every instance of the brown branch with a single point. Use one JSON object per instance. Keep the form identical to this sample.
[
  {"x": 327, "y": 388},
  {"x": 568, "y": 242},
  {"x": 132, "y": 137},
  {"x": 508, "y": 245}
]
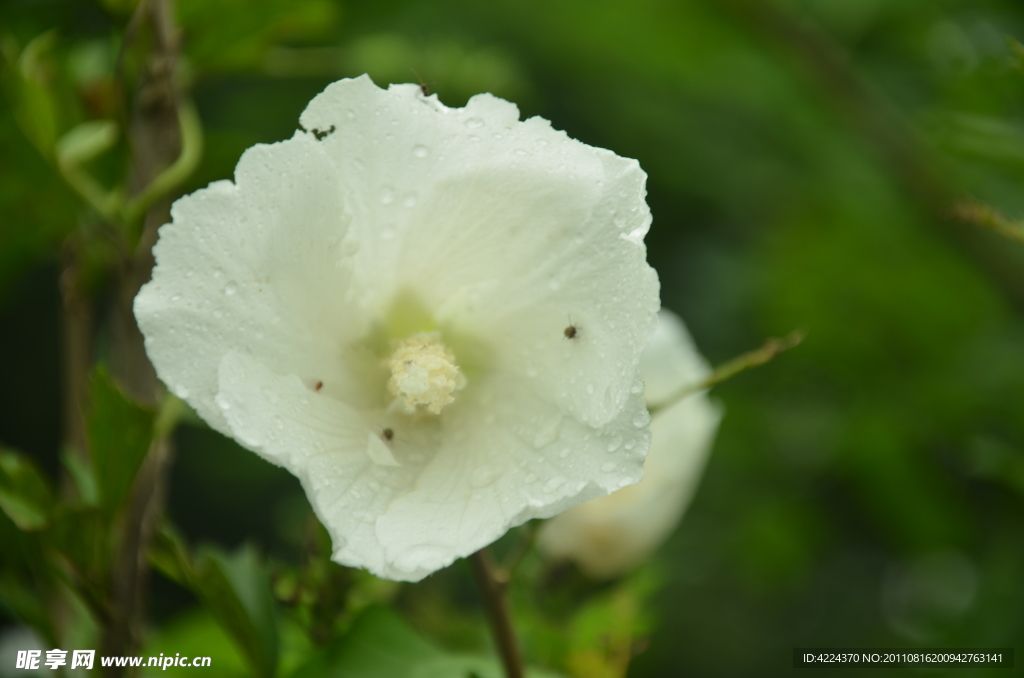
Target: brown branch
[
  {"x": 492, "y": 588},
  {"x": 155, "y": 144},
  {"x": 76, "y": 348}
]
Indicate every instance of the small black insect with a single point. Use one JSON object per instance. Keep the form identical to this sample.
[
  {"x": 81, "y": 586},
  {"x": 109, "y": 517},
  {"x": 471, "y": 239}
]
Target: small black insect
[
  {"x": 388, "y": 434},
  {"x": 423, "y": 86},
  {"x": 572, "y": 331},
  {"x": 320, "y": 134}
]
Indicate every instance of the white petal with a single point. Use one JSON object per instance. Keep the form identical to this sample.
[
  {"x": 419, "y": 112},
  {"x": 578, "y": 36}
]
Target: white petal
[
  {"x": 671, "y": 361},
  {"x": 608, "y": 536},
  {"x": 324, "y": 443},
  {"x": 506, "y": 457},
  {"x": 261, "y": 266},
  {"x": 508, "y": 230}
]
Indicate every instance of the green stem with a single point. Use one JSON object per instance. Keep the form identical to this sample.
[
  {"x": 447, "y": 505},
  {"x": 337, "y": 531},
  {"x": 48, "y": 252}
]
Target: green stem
[
  {"x": 191, "y": 150},
  {"x": 742, "y": 363}
]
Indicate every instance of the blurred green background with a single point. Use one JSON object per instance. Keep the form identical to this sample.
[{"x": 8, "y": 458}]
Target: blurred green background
[{"x": 805, "y": 158}]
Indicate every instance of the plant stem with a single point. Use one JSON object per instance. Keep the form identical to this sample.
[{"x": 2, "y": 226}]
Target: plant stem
[
  {"x": 771, "y": 348},
  {"x": 154, "y": 132},
  {"x": 492, "y": 588},
  {"x": 988, "y": 217},
  {"x": 76, "y": 331}
]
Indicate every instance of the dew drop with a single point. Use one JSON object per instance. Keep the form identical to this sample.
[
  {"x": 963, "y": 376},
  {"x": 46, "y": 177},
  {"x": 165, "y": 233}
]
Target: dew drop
[
  {"x": 474, "y": 138},
  {"x": 278, "y": 422},
  {"x": 615, "y": 443},
  {"x": 590, "y": 389},
  {"x": 181, "y": 392},
  {"x": 409, "y": 200},
  {"x": 420, "y": 151},
  {"x": 350, "y": 114},
  {"x": 637, "y": 388},
  {"x": 474, "y": 123},
  {"x": 553, "y": 484},
  {"x": 520, "y": 151},
  {"x": 548, "y": 433},
  {"x": 230, "y": 288},
  {"x": 387, "y": 195},
  {"x": 565, "y": 453},
  {"x": 608, "y": 467},
  {"x": 531, "y": 478},
  {"x": 630, "y": 444},
  {"x": 483, "y": 476},
  {"x": 176, "y": 297},
  {"x": 641, "y": 419}
]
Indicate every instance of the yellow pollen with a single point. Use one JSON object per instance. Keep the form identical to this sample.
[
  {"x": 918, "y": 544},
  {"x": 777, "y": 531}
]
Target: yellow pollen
[{"x": 423, "y": 373}]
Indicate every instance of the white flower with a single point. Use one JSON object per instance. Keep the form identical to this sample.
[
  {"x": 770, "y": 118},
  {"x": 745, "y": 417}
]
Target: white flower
[
  {"x": 610, "y": 535},
  {"x": 382, "y": 305}
]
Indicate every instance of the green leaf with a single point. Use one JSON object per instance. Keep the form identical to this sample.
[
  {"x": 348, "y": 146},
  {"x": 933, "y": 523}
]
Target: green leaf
[
  {"x": 234, "y": 588},
  {"x": 382, "y": 645},
  {"x": 82, "y": 477},
  {"x": 120, "y": 433},
  {"x": 25, "y": 494},
  {"x": 237, "y": 590},
  {"x": 28, "y": 80}
]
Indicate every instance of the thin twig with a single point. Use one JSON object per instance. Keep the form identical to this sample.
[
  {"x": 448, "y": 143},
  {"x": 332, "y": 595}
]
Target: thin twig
[
  {"x": 988, "y": 217},
  {"x": 493, "y": 591},
  {"x": 771, "y": 348},
  {"x": 76, "y": 328},
  {"x": 155, "y": 143}
]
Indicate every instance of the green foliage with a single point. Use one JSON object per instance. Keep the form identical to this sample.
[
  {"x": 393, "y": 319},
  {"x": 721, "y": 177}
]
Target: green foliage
[
  {"x": 804, "y": 157},
  {"x": 381, "y": 645},
  {"x": 25, "y": 496},
  {"x": 120, "y": 434},
  {"x": 236, "y": 590}
]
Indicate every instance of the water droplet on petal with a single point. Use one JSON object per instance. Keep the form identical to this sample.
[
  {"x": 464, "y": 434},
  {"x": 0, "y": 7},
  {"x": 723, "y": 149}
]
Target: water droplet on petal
[
  {"x": 548, "y": 432},
  {"x": 608, "y": 467},
  {"x": 230, "y": 288},
  {"x": 553, "y": 484},
  {"x": 278, "y": 422},
  {"x": 641, "y": 419},
  {"x": 590, "y": 389},
  {"x": 387, "y": 195},
  {"x": 565, "y": 453},
  {"x": 350, "y": 114},
  {"x": 176, "y": 297},
  {"x": 483, "y": 476},
  {"x": 531, "y": 478},
  {"x": 615, "y": 443},
  {"x": 473, "y": 123},
  {"x": 409, "y": 200},
  {"x": 420, "y": 151}
]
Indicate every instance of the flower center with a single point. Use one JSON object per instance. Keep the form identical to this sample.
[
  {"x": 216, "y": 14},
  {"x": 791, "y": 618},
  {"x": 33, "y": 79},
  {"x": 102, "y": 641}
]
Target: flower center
[{"x": 423, "y": 372}]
